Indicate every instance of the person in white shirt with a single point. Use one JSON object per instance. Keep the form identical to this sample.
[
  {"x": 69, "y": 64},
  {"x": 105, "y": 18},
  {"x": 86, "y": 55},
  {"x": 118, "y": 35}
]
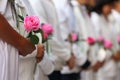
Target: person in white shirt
[
  {"x": 67, "y": 25},
  {"x": 27, "y": 72},
  {"x": 86, "y": 30},
  {"x": 116, "y": 15},
  {"x": 107, "y": 28},
  {"x": 116, "y": 11},
  {"x": 59, "y": 54},
  {"x": 73, "y": 16},
  {"x": 12, "y": 43}
]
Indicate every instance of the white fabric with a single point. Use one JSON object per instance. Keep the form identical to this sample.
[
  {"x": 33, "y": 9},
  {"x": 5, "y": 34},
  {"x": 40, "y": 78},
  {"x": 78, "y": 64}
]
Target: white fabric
[
  {"x": 39, "y": 75},
  {"x": 31, "y": 68},
  {"x": 44, "y": 68},
  {"x": 86, "y": 30},
  {"x": 107, "y": 29},
  {"x": 116, "y": 15},
  {"x": 67, "y": 25},
  {"x": 8, "y": 54},
  {"x": 58, "y": 52},
  {"x": 26, "y": 64}
]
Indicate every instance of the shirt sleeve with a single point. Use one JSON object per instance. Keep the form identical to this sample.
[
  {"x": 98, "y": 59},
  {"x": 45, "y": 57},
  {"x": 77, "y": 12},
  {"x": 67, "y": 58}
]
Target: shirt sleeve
[
  {"x": 81, "y": 58},
  {"x": 46, "y": 65}
]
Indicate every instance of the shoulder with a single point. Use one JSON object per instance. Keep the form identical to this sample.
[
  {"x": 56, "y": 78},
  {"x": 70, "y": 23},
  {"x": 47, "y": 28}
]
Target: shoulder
[
  {"x": 116, "y": 15},
  {"x": 95, "y": 18}
]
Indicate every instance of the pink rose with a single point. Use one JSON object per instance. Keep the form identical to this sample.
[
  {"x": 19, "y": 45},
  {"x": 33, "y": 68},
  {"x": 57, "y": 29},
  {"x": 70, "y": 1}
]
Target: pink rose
[
  {"x": 31, "y": 23},
  {"x": 108, "y": 44},
  {"x": 47, "y": 28},
  {"x": 100, "y": 39},
  {"x": 45, "y": 35},
  {"x": 118, "y": 39},
  {"x": 74, "y": 37},
  {"x": 90, "y": 40}
]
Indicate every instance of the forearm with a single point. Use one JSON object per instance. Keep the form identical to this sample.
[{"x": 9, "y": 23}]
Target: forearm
[{"x": 9, "y": 35}]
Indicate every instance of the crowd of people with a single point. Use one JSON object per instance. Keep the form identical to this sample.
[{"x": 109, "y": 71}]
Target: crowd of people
[{"x": 85, "y": 43}]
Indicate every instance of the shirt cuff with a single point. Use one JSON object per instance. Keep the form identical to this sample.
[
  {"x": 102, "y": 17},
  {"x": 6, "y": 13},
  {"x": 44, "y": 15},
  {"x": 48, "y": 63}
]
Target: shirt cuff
[{"x": 46, "y": 65}]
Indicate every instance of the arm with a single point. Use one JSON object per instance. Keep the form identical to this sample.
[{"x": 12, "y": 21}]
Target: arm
[
  {"x": 116, "y": 56},
  {"x": 81, "y": 59},
  {"x": 9, "y": 35}
]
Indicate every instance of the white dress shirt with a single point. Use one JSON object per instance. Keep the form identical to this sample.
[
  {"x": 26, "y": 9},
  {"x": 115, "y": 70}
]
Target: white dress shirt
[
  {"x": 8, "y": 54},
  {"x": 107, "y": 29},
  {"x": 59, "y": 53}
]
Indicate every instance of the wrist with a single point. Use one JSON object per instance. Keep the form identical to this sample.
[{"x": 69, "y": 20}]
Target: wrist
[
  {"x": 26, "y": 46},
  {"x": 39, "y": 59}
]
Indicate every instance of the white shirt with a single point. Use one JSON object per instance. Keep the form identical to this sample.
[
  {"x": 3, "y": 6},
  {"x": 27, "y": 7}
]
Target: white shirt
[
  {"x": 8, "y": 54},
  {"x": 68, "y": 24},
  {"x": 27, "y": 65},
  {"x": 106, "y": 28},
  {"x": 47, "y": 13}
]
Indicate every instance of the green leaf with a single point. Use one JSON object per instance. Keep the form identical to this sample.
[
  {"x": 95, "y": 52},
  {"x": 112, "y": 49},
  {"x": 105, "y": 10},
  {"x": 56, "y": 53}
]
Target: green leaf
[
  {"x": 21, "y": 17},
  {"x": 34, "y": 39},
  {"x": 21, "y": 21},
  {"x": 38, "y": 31},
  {"x": 29, "y": 35},
  {"x": 44, "y": 40}
]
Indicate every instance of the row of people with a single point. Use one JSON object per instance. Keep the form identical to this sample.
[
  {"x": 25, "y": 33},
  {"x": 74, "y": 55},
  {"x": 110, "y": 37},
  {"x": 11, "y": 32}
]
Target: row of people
[{"x": 64, "y": 60}]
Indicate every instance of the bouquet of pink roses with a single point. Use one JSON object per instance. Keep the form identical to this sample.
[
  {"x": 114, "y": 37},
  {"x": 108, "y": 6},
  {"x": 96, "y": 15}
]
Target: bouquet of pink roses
[
  {"x": 73, "y": 37},
  {"x": 33, "y": 27},
  {"x": 47, "y": 31},
  {"x": 91, "y": 40},
  {"x": 104, "y": 45},
  {"x": 101, "y": 41},
  {"x": 108, "y": 44}
]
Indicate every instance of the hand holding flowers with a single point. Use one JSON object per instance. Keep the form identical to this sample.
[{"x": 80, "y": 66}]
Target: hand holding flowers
[
  {"x": 72, "y": 37},
  {"x": 116, "y": 56},
  {"x": 36, "y": 32},
  {"x": 32, "y": 26},
  {"x": 91, "y": 41},
  {"x": 107, "y": 44}
]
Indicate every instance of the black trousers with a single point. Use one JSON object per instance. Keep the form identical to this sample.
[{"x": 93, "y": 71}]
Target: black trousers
[
  {"x": 73, "y": 76},
  {"x": 56, "y": 75}
]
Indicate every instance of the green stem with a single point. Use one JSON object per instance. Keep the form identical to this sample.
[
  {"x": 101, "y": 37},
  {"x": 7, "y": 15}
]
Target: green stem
[{"x": 47, "y": 47}]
